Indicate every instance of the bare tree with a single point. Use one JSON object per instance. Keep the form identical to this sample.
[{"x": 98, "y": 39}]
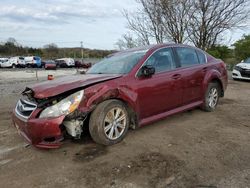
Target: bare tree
[
  {"x": 152, "y": 8},
  {"x": 210, "y": 18},
  {"x": 201, "y": 22},
  {"x": 147, "y": 21},
  {"x": 160, "y": 20},
  {"x": 127, "y": 41},
  {"x": 175, "y": 19},
  {"x": 138, "y": 23}
]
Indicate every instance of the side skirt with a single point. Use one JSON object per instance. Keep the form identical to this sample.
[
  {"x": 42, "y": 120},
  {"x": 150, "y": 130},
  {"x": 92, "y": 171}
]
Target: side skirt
[{"x": 160, "y": 116}]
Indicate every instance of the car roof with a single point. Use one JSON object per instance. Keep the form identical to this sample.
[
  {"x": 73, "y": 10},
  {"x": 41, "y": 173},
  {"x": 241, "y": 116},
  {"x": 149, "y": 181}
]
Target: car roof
[{"x": 151, "y": 47}]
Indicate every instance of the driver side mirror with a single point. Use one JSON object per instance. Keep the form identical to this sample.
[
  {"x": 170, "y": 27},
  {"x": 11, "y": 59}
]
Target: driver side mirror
[{"x": 147, "y": 71}]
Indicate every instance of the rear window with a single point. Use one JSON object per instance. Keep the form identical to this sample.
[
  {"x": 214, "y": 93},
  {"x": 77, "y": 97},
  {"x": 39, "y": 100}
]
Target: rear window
[
  {"x": 202, "y": 57},
  {"x": 21, "y": 58},
  {"x": 187, "y": 56}
]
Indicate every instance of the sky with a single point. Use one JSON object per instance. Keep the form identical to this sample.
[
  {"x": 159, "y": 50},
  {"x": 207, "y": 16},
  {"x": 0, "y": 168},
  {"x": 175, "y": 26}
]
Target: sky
[{"x": 98, "y": 23}]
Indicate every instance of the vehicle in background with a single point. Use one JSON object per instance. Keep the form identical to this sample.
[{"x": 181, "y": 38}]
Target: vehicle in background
[
  {"x": 33, "y": 61},
  {"x": 50, "y": 64},
  {"x": 130, "y": 89},
  {"x": 242, "y": 70},
  {"x": 18, "y": 62},
  {"x": 65, "y": 62},
  {"x": 80, "y": 64},
  {"x": 13, "y": 62},
  {"x": 3, "y": 60}
]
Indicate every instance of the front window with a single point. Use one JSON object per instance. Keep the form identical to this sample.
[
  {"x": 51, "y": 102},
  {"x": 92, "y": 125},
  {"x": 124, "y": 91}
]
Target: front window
[
  {"x": 117, "y": 64},
  {"x": 162, "y": 60}
]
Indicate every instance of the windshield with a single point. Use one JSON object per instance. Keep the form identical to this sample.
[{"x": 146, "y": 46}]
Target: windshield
[
  {"x": 247, "y": 60},
  {"x": 117, "y": 64}
]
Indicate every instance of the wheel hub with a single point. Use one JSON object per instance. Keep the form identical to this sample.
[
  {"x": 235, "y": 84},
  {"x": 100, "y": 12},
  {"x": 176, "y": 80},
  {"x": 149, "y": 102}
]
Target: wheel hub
[
  {"x": 115, "y": 123},
  {"x": 213, "y": 97}
]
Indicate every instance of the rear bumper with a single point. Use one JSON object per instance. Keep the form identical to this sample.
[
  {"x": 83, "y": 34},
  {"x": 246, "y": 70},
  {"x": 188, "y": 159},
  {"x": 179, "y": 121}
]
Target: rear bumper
[{"x": 42, "y": 133}]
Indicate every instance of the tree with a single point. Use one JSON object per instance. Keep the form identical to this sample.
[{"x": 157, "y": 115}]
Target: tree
[
  {"x": 221, "y": 51},
  {"x": 51, "y": 50},
  {"x": 126, "y": 42},
  {"x": 210, "y": 18},
  {"x": 175, "y": 19},
  {"x": 201, "y": 22},
  {"x": 242, "y": 47},
  {"x": 139, "y": 24}
]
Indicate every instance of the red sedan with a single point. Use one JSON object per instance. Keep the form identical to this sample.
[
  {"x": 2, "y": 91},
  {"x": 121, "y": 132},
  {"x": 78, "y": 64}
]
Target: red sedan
[
  {"x": 129, "y": 89},
  {"x": 50, "y": 65}
]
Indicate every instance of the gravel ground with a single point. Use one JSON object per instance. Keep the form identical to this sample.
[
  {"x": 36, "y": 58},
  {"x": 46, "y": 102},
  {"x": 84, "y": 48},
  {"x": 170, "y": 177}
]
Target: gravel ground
[{"x": 191, "y": 149}]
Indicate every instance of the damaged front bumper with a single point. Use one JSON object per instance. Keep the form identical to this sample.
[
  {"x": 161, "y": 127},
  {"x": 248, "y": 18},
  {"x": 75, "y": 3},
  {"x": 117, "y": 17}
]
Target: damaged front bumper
[{"x": 40, "y": 132}]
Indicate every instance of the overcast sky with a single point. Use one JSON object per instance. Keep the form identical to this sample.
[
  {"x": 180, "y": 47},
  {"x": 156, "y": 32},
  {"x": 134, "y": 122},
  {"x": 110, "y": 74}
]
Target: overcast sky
[{"x": 98, "y": 23}]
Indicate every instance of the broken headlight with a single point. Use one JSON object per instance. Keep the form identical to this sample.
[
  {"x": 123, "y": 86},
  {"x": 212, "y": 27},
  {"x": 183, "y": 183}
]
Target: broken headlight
[{"x": 64, "y": 107}]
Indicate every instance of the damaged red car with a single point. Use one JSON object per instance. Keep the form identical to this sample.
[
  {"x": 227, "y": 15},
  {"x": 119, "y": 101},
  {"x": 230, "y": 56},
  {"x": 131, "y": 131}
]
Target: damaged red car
[{"x": 128, "y": 89}]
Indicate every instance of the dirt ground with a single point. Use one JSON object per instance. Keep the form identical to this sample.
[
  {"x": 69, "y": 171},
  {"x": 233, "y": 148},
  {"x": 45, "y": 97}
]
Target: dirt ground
[{"x": 191, "y": 149}]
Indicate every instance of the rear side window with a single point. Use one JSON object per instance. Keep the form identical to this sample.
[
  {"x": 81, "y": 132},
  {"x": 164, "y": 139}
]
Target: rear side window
[
  {"x": 187, "y": 56},
  {"x": 162, "y": 60},
  {"x": 202, "y": 57}
]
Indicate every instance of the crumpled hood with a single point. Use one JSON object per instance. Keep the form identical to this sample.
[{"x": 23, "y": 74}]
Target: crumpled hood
[
  {"x": 60, "y": 85},
  {"x": 244, "y": 65}
]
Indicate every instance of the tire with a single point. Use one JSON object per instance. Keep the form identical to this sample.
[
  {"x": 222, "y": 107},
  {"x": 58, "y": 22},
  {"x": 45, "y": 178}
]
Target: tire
[
  {"x": 103, "y": 117},
  {"x": 14, "y": 66},
  {"x": 212, "y": 94}
]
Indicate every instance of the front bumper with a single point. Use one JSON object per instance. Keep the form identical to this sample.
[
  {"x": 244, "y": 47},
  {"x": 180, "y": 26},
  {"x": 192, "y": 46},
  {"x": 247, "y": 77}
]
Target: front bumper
[
  {"x": 42, "y": 133},
  {"x": 238, "y": 75}
]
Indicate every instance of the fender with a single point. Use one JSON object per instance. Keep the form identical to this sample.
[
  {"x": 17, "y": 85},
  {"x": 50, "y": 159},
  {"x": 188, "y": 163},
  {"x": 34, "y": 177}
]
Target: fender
[
  {"x": 211, "y": 75},
  {"x": 94, "y": 96}
]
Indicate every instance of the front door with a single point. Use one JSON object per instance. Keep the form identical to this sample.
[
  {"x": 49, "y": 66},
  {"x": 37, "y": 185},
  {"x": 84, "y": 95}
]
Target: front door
[{"x": 163, "y": 90}]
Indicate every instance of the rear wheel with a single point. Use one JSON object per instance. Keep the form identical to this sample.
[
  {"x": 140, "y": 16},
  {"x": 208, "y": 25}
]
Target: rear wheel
[
  {"x": 109, "y": 122},
  {"x": 14, "y": 66},
  {"x": 212, "y": 96}
]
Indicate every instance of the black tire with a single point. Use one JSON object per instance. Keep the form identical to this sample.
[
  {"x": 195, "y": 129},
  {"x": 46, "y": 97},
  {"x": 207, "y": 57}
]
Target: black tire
[
  {"x": 96, "y": 122},
  {"x": 14, "y": 66},
  {"x": 211, "y": 86}
]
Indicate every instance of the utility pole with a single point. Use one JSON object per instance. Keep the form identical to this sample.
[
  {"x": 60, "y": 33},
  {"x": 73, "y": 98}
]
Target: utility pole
[{"x": 82, "y": 50}]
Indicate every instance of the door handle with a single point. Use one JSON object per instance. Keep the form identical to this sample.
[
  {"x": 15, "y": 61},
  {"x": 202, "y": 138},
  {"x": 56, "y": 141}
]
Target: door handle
[
  {"x": 204, "y": 69},
  {"x": 176, "y": 76}
]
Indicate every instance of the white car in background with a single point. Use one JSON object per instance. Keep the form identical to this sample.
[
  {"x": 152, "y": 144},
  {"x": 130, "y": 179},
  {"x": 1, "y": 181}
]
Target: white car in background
[
  {"x": 3, "y": 60},
  {"x": 13, "y": 62},
  {"x": 65, "y": 62},
  {"x": 242, "y": 70}
]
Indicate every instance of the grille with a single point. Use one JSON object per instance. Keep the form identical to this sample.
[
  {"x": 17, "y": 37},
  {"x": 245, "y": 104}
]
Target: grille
[
  {"x": 245, "y": 73},
  {"x": 25, "y": 108}
]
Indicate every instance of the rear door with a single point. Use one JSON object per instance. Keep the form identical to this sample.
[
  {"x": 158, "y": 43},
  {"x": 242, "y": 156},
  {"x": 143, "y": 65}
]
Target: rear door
[
  {"x": 193, "y": 65},
  {"x": 162, "y": 91}
]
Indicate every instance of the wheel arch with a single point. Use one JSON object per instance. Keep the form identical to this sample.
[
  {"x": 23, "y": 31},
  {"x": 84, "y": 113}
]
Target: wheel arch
[
  {"x": 213, "y": 76},
  {"x": 112, "y": 94},
  {"x": 219, "y": 82}
]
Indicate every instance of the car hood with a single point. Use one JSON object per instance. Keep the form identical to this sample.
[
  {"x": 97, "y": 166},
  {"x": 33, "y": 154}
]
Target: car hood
[
  {"x": 244, "y": 65},
  {"x": 63, "y": 84}
]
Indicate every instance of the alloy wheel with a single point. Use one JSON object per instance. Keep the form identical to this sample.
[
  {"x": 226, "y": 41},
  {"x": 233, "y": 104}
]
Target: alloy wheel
[
  {"x": 213, "y": 97},
  {"x": 115, "y": 123}
]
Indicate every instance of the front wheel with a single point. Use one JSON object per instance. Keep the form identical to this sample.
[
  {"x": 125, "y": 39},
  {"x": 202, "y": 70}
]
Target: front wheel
[
  {"x": 212, "y": 97},
  {"x": 109, "y": 122}
]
